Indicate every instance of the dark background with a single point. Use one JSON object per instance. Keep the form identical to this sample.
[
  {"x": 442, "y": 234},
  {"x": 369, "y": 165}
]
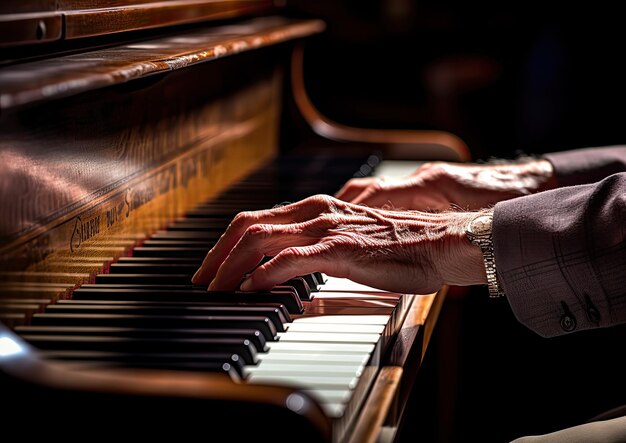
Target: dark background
[
  {"x": 504, "y": 76},
  {"x": 508, "y": 78}
]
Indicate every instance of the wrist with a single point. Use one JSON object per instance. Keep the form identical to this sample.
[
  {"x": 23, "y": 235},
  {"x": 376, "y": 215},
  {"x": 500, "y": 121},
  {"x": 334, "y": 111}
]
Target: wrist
[
  {"x": 465, "y": 265},
  {"x": 479, "y": 234}
]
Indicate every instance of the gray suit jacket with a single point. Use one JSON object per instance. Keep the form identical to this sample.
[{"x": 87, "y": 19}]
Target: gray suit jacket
[{"x": 561, "y": 254}]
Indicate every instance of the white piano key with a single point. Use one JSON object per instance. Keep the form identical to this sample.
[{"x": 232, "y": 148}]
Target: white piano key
[
  {"x": 273, "y": 368},
  {"x": 330, "y": 395},
  {"x": 327, "y": 337},
  {"x": 395, "y": 169},
  {"x": 304, "y": 380},
  {"x": 333, "y": 410},
  {"x": 361, "y": 295},
  {"x": 314, "y": 358},
  {"x": 288, "y": 346},
  {"x": 345, "y": 319},
  {"x": 346, "y": 285},
  {"x": 339, "y": 328}
]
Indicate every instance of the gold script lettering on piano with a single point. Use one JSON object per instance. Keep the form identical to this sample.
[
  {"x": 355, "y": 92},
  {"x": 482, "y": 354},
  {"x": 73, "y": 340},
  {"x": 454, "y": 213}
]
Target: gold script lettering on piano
[{"x": 122, "y": 162}]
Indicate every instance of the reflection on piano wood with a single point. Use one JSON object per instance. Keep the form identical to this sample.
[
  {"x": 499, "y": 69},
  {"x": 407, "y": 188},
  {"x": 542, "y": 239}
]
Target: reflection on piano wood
[{"x": 121, "y": 166}]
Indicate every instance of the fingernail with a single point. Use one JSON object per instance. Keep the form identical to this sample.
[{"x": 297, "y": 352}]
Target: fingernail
[
  {"x": 246, "y": 285},
  {"x": 195, "y": 277}
]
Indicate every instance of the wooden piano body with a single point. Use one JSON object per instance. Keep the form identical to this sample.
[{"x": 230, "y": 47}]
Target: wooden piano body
[{"x": 118, "y": 118}]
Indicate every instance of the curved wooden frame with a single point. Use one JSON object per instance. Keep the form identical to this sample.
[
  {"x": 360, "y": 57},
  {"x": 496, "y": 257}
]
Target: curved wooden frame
[{"x": 399, "y": 143}]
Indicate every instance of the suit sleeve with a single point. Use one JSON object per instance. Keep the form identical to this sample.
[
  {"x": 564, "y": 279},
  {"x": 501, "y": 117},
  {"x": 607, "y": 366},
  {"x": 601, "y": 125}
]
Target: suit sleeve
[
  {"x": 588, "y": 165},
  {"x": 561, "y": 254}
]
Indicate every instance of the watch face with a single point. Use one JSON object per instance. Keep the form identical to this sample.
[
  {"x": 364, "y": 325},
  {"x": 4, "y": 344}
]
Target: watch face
[{"x": 481, "y": 225}]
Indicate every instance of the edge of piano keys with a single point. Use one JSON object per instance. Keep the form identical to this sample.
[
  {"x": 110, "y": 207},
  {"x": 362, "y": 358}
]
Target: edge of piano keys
[
  {"x": 62, "y": 386},
  {"x": 379, "y": 396},
  {"x": 393, "y": 384}
]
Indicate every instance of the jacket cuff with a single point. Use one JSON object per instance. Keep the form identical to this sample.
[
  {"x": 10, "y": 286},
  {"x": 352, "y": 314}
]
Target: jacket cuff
[{"x": 588, "y": 165}]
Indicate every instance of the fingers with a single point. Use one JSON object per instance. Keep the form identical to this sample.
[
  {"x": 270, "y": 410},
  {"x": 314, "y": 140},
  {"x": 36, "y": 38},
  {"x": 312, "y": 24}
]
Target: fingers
[
  {"x": 288, "y": 264},
  {"x": 354, "y": 187},
  {"x": 257, "y": 242},
  {"x": 254, "y": 235},
  {"x": 370, "y": 191},
  {"x": 379, "y": 194},
  {"x": 371, "y": 196},
  {"x": 288, "y": 214},
  {"x": 222, "y": 248}
]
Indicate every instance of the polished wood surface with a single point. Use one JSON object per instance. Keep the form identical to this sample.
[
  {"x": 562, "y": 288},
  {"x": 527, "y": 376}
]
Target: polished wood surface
[
  {"x": 44, "y": 21},
  {"x": 380, "y": 401},
  {"x": 57, "y": 77}
]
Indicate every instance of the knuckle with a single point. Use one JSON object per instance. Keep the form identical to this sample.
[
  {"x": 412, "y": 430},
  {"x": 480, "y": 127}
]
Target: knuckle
[
  {"x": 428, "y": 166},
  {"x": 242, "y": 218},
  {"x": 324, "y": 201},
  {"x": 291, "y": 254},
  {"x": 258, "y": 232},
  {"x": 438, "y": 169},
  {"x": 433, "y": 171},
  {"x": 377, "y": 186}
]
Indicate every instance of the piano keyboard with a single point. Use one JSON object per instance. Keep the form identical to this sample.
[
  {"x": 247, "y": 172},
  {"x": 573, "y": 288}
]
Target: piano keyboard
[{"x": 322, "y": 335}]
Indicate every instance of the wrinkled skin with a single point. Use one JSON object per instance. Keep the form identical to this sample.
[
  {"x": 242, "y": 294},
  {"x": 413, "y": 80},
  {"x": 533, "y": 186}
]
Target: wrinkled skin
[
  {"x": 399, "y": 251},
  {"x": 442, "y": 186}
]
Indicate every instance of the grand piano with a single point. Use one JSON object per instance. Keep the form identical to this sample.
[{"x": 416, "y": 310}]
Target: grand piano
[{"x": 131, "y": 132}]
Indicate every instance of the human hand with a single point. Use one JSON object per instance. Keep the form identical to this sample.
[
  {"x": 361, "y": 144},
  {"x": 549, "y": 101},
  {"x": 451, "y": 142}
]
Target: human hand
[
  {"x": 440, "y": 185},
  {"x": 406, "y": 252}
]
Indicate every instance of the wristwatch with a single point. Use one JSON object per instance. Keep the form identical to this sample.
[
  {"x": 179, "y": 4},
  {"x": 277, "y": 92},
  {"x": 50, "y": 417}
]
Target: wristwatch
[{"x": 479, "y": 233}]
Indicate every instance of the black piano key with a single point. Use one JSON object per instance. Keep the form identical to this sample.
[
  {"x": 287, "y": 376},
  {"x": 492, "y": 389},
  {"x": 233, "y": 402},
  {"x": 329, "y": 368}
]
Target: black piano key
[
  {"x": 141, "y": 251},
  {"x": 178, "y": 243},
  {"x": 312, "y": 282},
  {"x": 187, "y": 235},
  {"x": 186, "y": 287},
  {"x": 320, "y": 278},
  {"x": 275, "y": 314},
  {"x": 301, "y": 286},
  {"x": 144, "y": 281},
  {"x": 254, "y": 335},
  {"x": 191, "y": 224},
  {"x": 161, "y": 260},
  {"x": 235, "y": 373},
  {"x": 263, "y": 324},
  {"x": 289, "y": 299},
  {"x": 231, "y": 364},
  {"x": 210, "y": 231},
  {"x": 124, "y": 357},
  {"x": 289, "y": 290},
  {"x": 205, "y": 212},
  {"x": 240, "y": 346},
  {"x": 191, "y": 306},
  {"x": 155, "y": 279},
  {"x": 212, "y": 221},
  {"x": 245, "y": 203},
  {"x": 152, "y": 268}
]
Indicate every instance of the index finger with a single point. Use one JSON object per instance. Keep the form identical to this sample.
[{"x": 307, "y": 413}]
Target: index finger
[
  {"x": 353, "y": 188},
  {"x": 292, "y": 213}
]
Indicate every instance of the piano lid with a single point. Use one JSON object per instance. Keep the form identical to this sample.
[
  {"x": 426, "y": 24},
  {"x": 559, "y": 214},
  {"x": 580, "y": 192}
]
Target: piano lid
[
  {"x": 57, "y": 77},
  {"x": 26, "y": 22}
]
